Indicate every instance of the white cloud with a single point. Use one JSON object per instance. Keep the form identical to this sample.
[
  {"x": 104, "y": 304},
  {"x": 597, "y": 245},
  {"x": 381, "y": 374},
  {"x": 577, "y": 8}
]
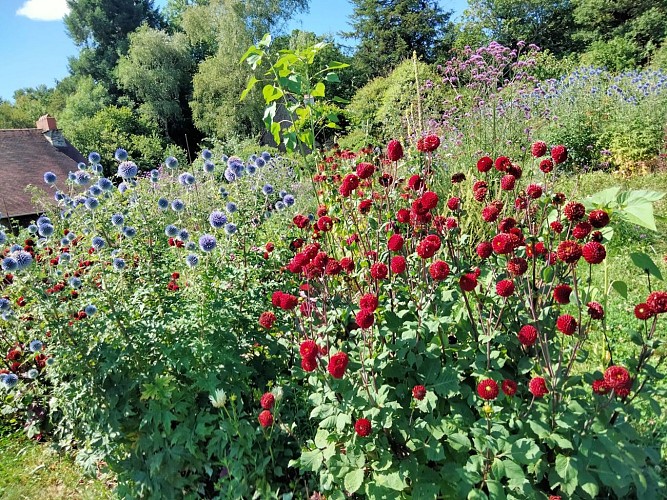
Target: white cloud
[{"x": 44, "y": 10}]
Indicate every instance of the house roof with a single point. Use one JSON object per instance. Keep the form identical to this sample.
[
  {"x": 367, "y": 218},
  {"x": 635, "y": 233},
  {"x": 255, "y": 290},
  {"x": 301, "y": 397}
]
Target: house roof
[{"x": 25, "y": 154}]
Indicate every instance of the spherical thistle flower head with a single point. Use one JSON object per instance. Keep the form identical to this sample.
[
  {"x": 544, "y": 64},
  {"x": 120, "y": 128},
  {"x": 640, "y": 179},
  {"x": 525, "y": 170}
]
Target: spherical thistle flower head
[
  {"x": 177, "y": 205},
  {"x": 231, "y": 207},
  {"x": 505, "y": 288},
  {"x": 566, "y": 324},
  {"x": 163, "y": 203},
  {"x": 217, "y": 219},
  {"x": 259, "y": 163},
  {"x": 33, "y": 373},
  {"x": 439, "y": 270},
  {"x": 23, "y": 259},
  {"x": 230, "y": 228},
  {"x": 365, "y": 318},
  {"x": 129, "y": 232},
  {"x": 35, "y": 345},
  {"x": 657, "y": 301},
  {"x": 95, "y": 190},
  {"x": 265, "y": 418},
  {"x": 117, "y": 219},
  {"x": 267, "y": 189},
  {"x": 123, "y": 186},
  {"x": 527, "y": 335},
  {"x": 509, "y": 387},
  {"x": 484, "y": 164},
  {"x": 538, "y": 149},
  {"x": 562, "y": 293},
  {"x": 289, "y": 200},
  {"x": 81, "y": 165},
  {"x": 90, "y": 310},
  {"x": 118, "y": 264},
  {"x": 559, "y": 154},
  {"x": 598, "y": 218},
  {"x": 207, "y": 242},
  {"x": 94, "y": 158},
  {"x": 595, "y": 310},
  {"x": 208, "y": 167},
  {"x": 120, "y": 154},
  {"x": 171, "y": 230},
  {"x": 338, "y": 364},
  {"x": 379, "y": 271},
  {"x": 9, "y": 264},
  {"x": 9, "y": 380},
  {"x": 171, "y": 162},
  {"x": 206, "y": 154},
  {"x": 50, "y": 178},
  {"x": 538, "y": 387},
  {"x": 5, "y": 305},
  {"x": 419, "y": 392},
  {"x": 46, "y": 230},
  {"x": 75, "y": 282},
  {"x": 32, "y": 229},
  {"x": 574, "y": 211},
  {"x": 569, "y": 251},
  {"x": 266, "y": 156},
  {"x": 127, "y": 170},
  {"x": 487, "y": 389},
  {"x": 186, "y": 179},
  {"x": 91, "y": 203},
  {"x": 183, "y": 235},
  {"x": 616, "y": 377},
  {"x": 594, "y": 252},
  {"x": 398, "y": 264},
  {"x": 394, "y": 150},
  {"x": 81, "y": 178}
]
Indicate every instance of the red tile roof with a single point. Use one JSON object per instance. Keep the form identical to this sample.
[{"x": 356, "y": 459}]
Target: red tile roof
[{"x": 25, "y": 154}]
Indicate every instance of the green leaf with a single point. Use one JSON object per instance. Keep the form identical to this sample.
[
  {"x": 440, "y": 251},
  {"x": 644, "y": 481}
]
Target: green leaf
[
  {"x": 566, "y": 468},
  {"x": 392, "y": 481},
  {"x": 515, "y": 474},
  {"x": 336, "y": 65},
  {"x": 459, "y": 442},
  {"x": 353, "y": 480},
  {"x": 249, "y": 87},
  {"x": 621, "y": 288},
  {"x": 332, "y": 78},
  {"x": 640, "y": 214},
  {"x": 311, "y": 460},
  {"x": 646, "y": 264},
  {"x": 602, "y": 198},
  {"x": 271, "y": 93},
  {"x": 265, "y": 41},
  {"x": 319, "y": 90}
]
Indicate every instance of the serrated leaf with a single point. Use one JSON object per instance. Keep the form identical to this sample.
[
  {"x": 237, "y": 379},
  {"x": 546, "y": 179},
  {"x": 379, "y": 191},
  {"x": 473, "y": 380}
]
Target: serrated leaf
[
  {"x": 459, "y": 442},
  {"x": 353, "y": 480},
  {"x": 392, "y": 481},
  {"x": 646, "y": 264}
]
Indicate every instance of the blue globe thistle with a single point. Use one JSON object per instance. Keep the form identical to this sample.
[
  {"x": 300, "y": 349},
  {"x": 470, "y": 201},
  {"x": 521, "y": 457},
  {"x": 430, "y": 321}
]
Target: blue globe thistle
[
  {"x": 230, "y": 228},
  {"x": 23, "y": 259},
  {"x": 71, "y": 236},
  {"x": 95, "y": 190},
  {"x": 186, "y": 179},
  {"x": 266, "y": 156},
  {"x": 97, "y": 168},
  {"x": 9, "y": 380},
  {"x": 183, "y": 235},
  {"x": 171, "y": 162},
  {"x": 190, "y": 245},
  {"x": 33, "y": 373},
  {"x": 234, "y": 161},
  {"x": 94, "y": 157},
  {"x": 123, "y": 186},
  {"x": 64, "y": 242},
  {"x": 207, "y": 242},
  {"x": 32, "y": 229},
  {"x": 289, "y": 200},
  {"x": 75, "y": 282},
  {"x": 217, "y": 219},
  {"x": 15, "y": 247},
  {"x": 90, "y": 309},
  {"x": 127, "y": 170},
  {"x": 155, "y": 175},
  {"x": 64, "y": 258},
  {"x": 118, "y": 264},
  {"x": 282, "y": 193},
  {"x": 129, "y": 232},
  {"x": 251, "y": 169},
  {"x": 209, "y": 166},
  {"x": 311, "y": 217},
  {"x": 206, "y": 154},
  {"x": 5, "y": 305},
  {"x": 46, "y": 230},
  {"x": 117, "y": 219},
  {"x": 177, "y": 205},
  {"x": 71, "y": 176},
  {"x": 267, "y": 214},
  {"x": 267, "y": 189},
  {"x": 58, "y": 196},
  {"x": 259, "y": 162},
  {"x": 50, "y": 178},
  {"x": 230, "y": 175},
  {"x": 81, "y": 178},
  {"x": 50, "y": 361},
  {"x": 9, "y": 264},
  {"x": 280, "y": 205},
  {"x": 7, "y": 315},
  {"x": 163, "y": 204},
  {"x": 92, "y": 203},
  {"x": 223, "y": 192},
  {"x": 81, "y": 166},
  {"x": 3, "y": 238},
  {"x": 35, "y": 345},
  {"x": 231, "y": 207},
  {"x": 97, "y": 242},
  {"x": 252, "y": 158},
  {"x": 192, "y": 260},
  {"x": 171, "y": 230},
  {"x": 120, "y": 154}
]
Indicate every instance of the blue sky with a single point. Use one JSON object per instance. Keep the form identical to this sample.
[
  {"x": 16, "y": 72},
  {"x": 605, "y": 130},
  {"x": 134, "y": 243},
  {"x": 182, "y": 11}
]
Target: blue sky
[{"x": 34, "y": 45}]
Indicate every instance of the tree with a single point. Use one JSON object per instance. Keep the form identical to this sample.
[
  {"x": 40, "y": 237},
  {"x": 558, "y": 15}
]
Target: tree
[
  {"x": 100, "y": 28},
  {"x": 390, "y": 30},
  {"x": 156, "y": 70},
  {"x": 549, "y": 24}
]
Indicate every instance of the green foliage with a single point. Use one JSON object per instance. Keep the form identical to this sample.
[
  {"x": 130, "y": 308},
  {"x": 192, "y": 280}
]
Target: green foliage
[{"x": 617, "y": 54}]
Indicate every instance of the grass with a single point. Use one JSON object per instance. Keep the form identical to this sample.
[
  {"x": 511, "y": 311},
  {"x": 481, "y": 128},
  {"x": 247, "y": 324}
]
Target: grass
[{"x": 31, "y": 470}]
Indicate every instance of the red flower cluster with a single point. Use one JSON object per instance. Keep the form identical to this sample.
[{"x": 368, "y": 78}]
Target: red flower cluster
[
  {"x": 538, "y": 149},
  {"x": 379, "y": 271},
  {"x": 265, "y": 418},
  {"x": 419, "y": 392},
  {"x": 395, "y": 243},
  {"x": 566, "y": 324},
  {"x": 657, "y": 301},
  {"x": 365, "y": 319},
  {"x": 284, "y": 300},
  {"x": 484, "y": 164},
  {"x": 505, "y": 288},
  {"x": 595, "y": 310},
  {"x": 394, "y": 150},
  {"x": 428, "y": 246},
  {"x": 309, "y": 352},
  {"x": 362, "y": 427},
  {"x": 350, "y": 183},
  {"x": 509, "y": 387},
  {"x": 574, "y": 211},
  {"x": 266, "y": 319},
  {"x": 538, "y": 387},
  {"x": 398, "y": 264},
  {"x": 618, "y": 378},
  {"x": 428, "y": 144},
  {"x": 487, "y": 389},
  {"x": 301, "y": 221},
  {"x": 338, "y": 364},
  {"x": 562, "y": 294},
  {"x": 569, "y": 251},
  {"x": 365, "y": 170},
  {"x": 267, "y": 401},
  {"x": 468, "y": 282},
  {"x": 559, "y": 154},
  {"x": 439, "y": 270},
  {"x": 527, "y": 335},
  {"x": 594, "y": 252}
]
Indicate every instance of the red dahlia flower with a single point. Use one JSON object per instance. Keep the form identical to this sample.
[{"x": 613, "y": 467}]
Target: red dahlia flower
[
  {"x": 484, "y": 164},
  {"x": 265, "y": 419},
  {"x": 569, "y": 251},
  {"x": 439, "y": 270},
  {"x": 502, "y": 244},
  {"x": 538, "y": 149},
  {"x": 517, "y": 266},
  {"x": 595, "y": 310},
  {"x": 403, "y": 216},
  {"x": 600, "y": 387},
  {"x": 546, "y": 165},
  {"x": 527, "y": 335},
  {"x": 338, "y": 364},
  {"x": 594, "y": 252},
  {"x": 502, "y": 163},
  {"x": 556, "y": 227},
  {"x": 454, "y": 203},
  {"x": 509, "y": 387},
  {"x": 266, "y": 319},
  {"x": 598, "y": 218},
  {"x": 369, "y": 302},
  {"x": 394, "y": 150},
  {"x": 574, "y": 211},
  {"x": 657, "y": 301},
  {"x": 395, "y": 243},
  {"x": 309, "y": 364},
  {"x": 267, "y": 401},
  {"x": 324, "y": 223},
  {"x": 505, "y": 288},
  {"x": 582, "y": 230},
  {"x": 507, "y": 182},
  {"x": 365, "y": 319},
  {"x": 365, "y": 170},
  {"x": 534, "y": 191},
  {"x": 379, "y": 271},
  {"x": 490, "y": 213},
  {"x": 484, "y": 250},
  {"x": 538, "y": 387},
  {"x": 419, "y": 392},
  {"x": 559, "y": 154},
  {"x": 429, "y": 200},
  {"x": 562, "y": 294},
  {"x": 643, "y": 311},
  {"x": 487, "y": 389},
  {"x": 428, "y": 144},
  {"x": 616, "y": 377},
  {"x": 566, "y": 324},
  {"x": 398, "y": 264},
  {"x": 362, "y": 427},
  {"x": 468, "y": 282}
]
